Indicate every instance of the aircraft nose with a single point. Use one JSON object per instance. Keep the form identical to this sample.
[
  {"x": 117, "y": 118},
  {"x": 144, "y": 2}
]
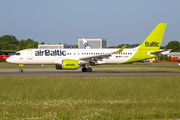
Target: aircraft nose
[{"x": 9, "y": 60}]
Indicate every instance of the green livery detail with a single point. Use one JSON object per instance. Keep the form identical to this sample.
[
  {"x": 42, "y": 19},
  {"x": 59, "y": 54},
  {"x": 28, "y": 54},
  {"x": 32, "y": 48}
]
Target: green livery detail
[
  {"x": 150, "y": 45},
  {"x": 68, "y": 64}
]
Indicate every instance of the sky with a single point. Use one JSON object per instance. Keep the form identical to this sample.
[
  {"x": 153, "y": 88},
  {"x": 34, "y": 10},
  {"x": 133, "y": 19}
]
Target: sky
[{"x": 66, "y": 21}]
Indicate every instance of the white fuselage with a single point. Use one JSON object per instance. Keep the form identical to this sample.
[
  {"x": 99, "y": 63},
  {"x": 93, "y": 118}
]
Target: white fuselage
[{"x": 55, "y": 56}]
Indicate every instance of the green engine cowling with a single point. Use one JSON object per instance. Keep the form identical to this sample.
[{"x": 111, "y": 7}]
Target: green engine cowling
[{"x": 68, "y": 64}]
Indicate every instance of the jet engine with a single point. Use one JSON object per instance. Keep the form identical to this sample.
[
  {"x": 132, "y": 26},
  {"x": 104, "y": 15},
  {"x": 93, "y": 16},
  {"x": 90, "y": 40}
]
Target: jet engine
[{"x": 68, "y": 64}]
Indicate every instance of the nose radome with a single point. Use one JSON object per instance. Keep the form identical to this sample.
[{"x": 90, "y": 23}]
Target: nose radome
[{"x": 9, "y": 60}]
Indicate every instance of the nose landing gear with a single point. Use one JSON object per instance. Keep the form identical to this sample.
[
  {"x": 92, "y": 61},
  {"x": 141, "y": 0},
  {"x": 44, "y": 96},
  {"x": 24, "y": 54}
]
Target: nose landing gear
[{"x": 20, "y": 70}]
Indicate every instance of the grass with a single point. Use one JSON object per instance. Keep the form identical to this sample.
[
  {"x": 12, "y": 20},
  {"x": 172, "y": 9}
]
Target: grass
[
  {"x": 5, "y": 65},
  {"x": 141, "y": 69},
  {"x": 89, "y": 97},
  {"x": 139, "y": 64}
]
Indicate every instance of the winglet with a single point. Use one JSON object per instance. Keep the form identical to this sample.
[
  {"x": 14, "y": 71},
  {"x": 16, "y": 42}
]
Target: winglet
[{"x": 121, "y": 49}]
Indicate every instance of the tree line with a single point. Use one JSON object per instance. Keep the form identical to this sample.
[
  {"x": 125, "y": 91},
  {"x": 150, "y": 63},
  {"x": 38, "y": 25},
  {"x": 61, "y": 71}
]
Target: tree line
[
  {"x": 10, "y": 42},
  {"x": 127, "y": 46}
]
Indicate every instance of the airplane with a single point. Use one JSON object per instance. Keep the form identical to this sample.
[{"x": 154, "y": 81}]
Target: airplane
[
  {"x": 72, "y": 59},
  {"x": 86, "y": 44}
]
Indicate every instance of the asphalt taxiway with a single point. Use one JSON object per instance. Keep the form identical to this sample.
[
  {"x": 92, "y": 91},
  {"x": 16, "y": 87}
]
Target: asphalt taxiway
[{"x": 96, "y": 72}]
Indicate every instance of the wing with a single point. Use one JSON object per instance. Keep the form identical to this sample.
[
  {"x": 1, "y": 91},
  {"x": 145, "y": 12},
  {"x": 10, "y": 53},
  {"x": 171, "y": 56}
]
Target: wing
[{"x": 96, "y": 58}]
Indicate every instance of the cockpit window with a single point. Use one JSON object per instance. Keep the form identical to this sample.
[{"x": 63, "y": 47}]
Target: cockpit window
[
  {"x": 14, "y": 54},
  {"x": 18, "y": 54}
]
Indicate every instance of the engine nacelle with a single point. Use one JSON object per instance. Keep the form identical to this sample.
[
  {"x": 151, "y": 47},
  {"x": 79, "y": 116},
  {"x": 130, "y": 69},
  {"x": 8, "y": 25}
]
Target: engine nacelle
[{"x": 68, "y": 64}]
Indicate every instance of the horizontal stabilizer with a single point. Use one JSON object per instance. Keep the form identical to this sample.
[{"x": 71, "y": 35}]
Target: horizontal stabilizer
[{"x": 158, "y": 52}]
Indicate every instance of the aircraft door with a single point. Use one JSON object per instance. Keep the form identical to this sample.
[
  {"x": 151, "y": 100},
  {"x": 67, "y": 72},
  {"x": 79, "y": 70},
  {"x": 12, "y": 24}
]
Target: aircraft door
[
  {"x": 29, "y": 54},
  {"x": 135, "y": 54}
]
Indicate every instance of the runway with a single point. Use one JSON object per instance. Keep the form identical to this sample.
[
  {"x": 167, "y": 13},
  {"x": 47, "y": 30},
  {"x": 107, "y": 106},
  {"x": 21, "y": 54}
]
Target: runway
[{"x": 78, "y": 73}]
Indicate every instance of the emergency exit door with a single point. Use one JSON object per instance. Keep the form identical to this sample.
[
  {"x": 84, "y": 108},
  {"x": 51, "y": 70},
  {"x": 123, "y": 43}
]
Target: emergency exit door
[
  {"x": 29, "y": 54},
  {"x": 135, "y": 54}
]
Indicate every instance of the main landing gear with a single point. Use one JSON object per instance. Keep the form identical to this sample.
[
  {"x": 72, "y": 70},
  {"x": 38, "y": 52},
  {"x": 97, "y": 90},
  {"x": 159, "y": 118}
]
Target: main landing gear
[
  {"x": 20, "y": 70},
  {"x": 84, "y": 69}
]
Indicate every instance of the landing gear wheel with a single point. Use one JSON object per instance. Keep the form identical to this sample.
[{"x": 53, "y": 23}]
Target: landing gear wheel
[
  {"x": 20, "y": 70},
  {"x": 89, "y": 69},
  {"x": 84, "y": 69}
]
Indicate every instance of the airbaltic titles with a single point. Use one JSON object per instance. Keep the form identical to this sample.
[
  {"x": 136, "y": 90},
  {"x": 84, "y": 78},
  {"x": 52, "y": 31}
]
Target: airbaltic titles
[{"x": 50, "y": 53}]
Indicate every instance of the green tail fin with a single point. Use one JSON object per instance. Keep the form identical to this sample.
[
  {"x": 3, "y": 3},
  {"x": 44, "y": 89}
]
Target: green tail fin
[
  {"x": 150, "y": 45},
  {"x": 153, "y": 41}
]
